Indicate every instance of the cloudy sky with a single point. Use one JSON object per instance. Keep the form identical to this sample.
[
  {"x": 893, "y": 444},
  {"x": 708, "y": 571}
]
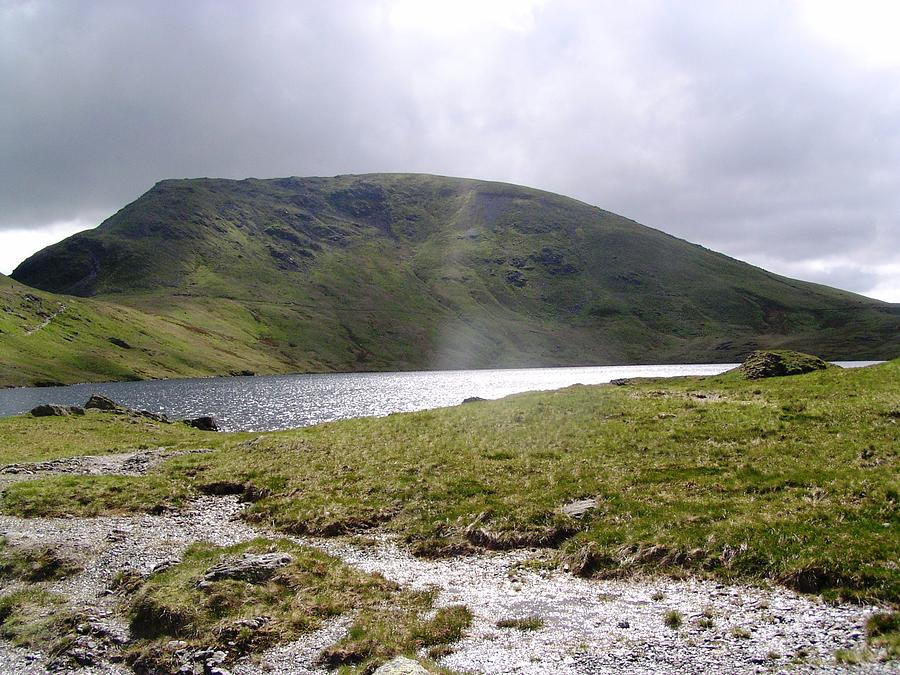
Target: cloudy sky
[{"x": 768, "y": 130}]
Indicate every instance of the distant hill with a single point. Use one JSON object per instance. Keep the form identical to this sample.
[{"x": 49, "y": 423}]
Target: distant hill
[
  {"x": 407, "y": 271},
  {"x": 47, "y": 338}
]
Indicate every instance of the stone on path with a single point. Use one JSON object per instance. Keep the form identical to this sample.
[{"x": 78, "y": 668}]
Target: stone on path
[{"x": 401, "y": 666}]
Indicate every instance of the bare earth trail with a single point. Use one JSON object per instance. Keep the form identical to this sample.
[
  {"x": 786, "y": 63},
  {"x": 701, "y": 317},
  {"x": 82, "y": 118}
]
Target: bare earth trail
[
  {"x": 589, "y": 626},
  {"x": 46, "y": 322}
]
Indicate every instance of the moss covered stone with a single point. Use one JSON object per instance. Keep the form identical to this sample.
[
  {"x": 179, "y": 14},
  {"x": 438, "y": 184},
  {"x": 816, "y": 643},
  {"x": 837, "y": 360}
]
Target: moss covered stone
[{"x": 764, "y": 363}]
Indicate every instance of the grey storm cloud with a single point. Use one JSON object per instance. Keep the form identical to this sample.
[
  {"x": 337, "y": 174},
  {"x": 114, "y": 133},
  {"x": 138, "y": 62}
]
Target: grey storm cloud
[{"x": 729, "y": 124}]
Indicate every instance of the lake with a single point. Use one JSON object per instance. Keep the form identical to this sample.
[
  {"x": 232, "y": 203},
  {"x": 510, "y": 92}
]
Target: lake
[{"x": 266, "y": 403}]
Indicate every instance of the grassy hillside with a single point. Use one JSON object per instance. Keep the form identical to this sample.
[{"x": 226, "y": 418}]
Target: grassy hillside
[
  {"x": 47, "y": 338},
  {"x": 396, "y": 271}
]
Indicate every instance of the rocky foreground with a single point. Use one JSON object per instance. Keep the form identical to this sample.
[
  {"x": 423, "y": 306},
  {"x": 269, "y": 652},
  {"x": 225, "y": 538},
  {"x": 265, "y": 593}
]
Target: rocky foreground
[{"x": 554, "y": 622}]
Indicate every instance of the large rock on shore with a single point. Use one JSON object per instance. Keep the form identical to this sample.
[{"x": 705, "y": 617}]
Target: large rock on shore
[
  {"x": 204, "y": 423},
  {"x": 777, "y": 363},
  {"x": 53, "y": 410},
  {"x": 100, "y": 402}
]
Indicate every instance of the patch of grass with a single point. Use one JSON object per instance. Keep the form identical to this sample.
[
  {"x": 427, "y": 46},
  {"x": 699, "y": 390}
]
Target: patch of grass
[
  {"x": 380, "y": 633},
  {"x": 673, "y": 619},
  {"x": 523, "y": 623},
  {"x": 296, "y": 599},
  {"x": 36, "y": 619},
  {"x": 34, "y": 563},
  {"x": 883, "y": 632},
  {"x": 126, "y": 581},
  {"x": 59, "y": 496},
  {"x": 24, "y": 438},
  {"x": 75, "y": 345},
  {"x": 445, "y": 627},
  {"x": 853, "y": 657},
  {"x": 740, "y": 633},
  {"x": 439, "y": 652}
]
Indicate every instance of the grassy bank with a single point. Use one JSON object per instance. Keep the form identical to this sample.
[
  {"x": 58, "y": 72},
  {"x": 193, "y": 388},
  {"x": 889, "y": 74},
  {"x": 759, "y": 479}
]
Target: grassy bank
[
  {"x": 790, "y": 479},
  {"x": 24, "y": 438}
]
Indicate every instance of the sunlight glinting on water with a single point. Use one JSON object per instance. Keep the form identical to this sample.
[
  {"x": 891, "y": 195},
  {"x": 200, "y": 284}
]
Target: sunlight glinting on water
[{"x": 285, "y": 401}]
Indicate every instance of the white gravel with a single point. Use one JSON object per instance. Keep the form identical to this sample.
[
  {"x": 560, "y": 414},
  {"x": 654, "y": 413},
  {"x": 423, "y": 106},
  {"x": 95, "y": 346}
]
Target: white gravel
[
  {"x": 296, "y": 657},
  {"x": 585, "y": 620},
  {"x": 589, "y": 626}
]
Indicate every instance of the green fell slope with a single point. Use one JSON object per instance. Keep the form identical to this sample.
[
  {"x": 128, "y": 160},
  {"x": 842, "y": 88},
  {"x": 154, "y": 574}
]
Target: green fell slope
[
  {"x": 402, "y": 271},
  {"x": 48, "y": 339}
]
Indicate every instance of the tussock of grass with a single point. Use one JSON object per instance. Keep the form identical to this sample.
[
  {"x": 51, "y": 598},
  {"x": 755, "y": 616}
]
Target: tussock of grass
[
  {"x": 524, "y": 623},
  {"x": 379, "y": 633},
  {"x": 57, "y": 496},
  {"x": 706, "y": 620},
  {"x": 673, "y": 619},
  {"x": 169, "y": 605},
  {"x": 853, "y": 657},
  {"x": 34, "y": 618},
  {"x": 883, "y": 632},
  {"x": 34, "y": 563}
]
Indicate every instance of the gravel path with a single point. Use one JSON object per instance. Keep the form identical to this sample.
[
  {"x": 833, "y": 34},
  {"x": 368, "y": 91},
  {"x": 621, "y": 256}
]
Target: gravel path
[
  {"x": 618, "y": 626},
  {"x": 46, "y": 322},
  {"x": 588, "y": 626},
  {"x": 119, "y": 464},
  {"x": 108, "y": 544}
]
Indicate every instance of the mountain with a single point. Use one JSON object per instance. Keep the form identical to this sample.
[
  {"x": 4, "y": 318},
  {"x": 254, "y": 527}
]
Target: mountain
[{"x": 402, "y": 271}]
